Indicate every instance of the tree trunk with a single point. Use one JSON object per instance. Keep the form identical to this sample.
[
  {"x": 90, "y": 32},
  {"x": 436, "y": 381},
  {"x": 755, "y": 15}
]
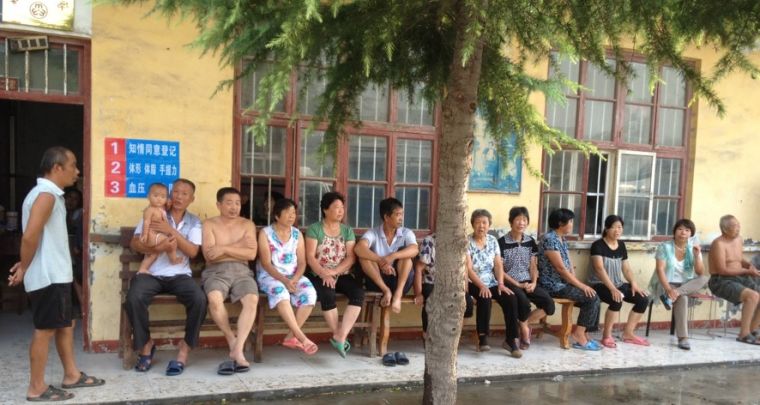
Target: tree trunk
[{"x": 446, "y": 306}]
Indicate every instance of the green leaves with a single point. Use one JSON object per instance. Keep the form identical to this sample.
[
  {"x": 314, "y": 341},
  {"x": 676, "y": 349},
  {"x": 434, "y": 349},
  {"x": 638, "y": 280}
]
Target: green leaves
[{"x": 405, "y": 42}]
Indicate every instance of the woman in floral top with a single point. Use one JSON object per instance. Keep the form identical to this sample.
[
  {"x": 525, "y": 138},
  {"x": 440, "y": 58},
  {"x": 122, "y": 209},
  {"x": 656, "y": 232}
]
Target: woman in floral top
[
  {"x": 330, "y": 254},
  {"x": 556, "y": 275},
  {"x": 486, "y": 274},
  {"x": 280, "y": 269}
]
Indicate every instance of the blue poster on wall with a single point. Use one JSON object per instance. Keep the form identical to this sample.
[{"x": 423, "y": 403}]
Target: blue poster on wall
[
  {"x": 489, "y": 173},
  {"x": 132, "y": 165}
]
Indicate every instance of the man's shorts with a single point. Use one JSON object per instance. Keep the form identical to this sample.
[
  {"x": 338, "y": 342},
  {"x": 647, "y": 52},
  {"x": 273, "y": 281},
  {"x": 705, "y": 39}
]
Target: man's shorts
[
  {"x": 233, "y": 279},
  {"x": 730, "y": 287},
  {"x": 51, "y": 306}
]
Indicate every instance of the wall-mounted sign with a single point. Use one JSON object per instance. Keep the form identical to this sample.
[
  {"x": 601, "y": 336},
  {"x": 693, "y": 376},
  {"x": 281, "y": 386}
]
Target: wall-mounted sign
[
  {"x": 132, "y": 165},
  {"x": 57, "y": 14}
]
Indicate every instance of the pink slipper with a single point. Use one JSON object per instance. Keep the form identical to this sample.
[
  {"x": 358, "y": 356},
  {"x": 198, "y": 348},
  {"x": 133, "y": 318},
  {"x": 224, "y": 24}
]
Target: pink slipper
[
  {"x": 609, "y": 342},
  {"x": 310, "y": 348},
  {"x": 637, "y": 341},
  {"x": 292, "y": 343}
]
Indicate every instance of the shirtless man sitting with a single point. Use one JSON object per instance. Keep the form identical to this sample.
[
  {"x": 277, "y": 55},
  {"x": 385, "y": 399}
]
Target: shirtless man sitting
[
  {"x": 229, "y": 242},
  {"x": 735, "y": 279}
]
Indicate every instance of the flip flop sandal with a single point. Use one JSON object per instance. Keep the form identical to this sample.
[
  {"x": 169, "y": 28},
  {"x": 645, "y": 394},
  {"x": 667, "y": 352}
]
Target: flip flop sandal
[
  {"x": 401, "y": 359},
  {"x": 310, "y": 349},
  {"x": 609, "y": 342},
  {"x": 293, "y": 343},
  {"x": 588, "y": 346},
  {"x": 226, "y": 368},
  {"x": 389, "y": 360},
  {"x": 175, "y": 368},
  {"x": 749, "y": 339},
  {"x": 82, "y": 382},
  {"x": 145, "y": 362},
  {"x": 52, "y": 394},
  {"x": 239, "y": 368},
  {"x": 347, "y": 346},
  {"x": 636, "y": 341},
  {"x": 340, "y": 347}
]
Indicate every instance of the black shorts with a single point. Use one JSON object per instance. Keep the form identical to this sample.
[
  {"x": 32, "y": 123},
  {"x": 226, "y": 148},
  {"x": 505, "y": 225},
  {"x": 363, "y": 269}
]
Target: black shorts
[{"x": 51, "y": 306}]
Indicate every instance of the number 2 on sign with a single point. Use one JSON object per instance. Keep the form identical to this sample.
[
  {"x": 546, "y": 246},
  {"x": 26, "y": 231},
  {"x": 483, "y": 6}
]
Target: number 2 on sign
[{"x": 115, "y": 167}]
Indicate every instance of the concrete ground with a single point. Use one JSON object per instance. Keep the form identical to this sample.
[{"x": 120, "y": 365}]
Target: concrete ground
[{"x": 287, "y": 373}]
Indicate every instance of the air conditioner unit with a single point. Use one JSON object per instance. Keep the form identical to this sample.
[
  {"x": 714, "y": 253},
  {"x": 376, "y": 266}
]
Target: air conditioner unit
[{"x": 23, "y": 44}]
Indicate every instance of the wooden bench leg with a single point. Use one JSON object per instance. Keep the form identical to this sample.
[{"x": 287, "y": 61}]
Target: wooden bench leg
[
  {"x": 258, "y": 331},
  {"x": 385, "y": 329},
  {"x": 374, "y": 313},
  {"x": 128, "y": 357},
  {"x": 567, "y": 325}
]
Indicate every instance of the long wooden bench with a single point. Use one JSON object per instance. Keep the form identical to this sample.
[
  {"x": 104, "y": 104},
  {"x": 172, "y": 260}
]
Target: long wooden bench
[{"x": 268, "y": 322}]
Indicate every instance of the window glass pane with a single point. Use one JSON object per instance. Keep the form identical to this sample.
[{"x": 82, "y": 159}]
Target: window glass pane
[
  {"x": 16, "y": 64},
  {"x": 564, "y": 171},
  {"x": 673, "y": 88},
  {"x": 72, "y": 71},
  {"x": 251, "y": 86},
  {"x": 571, "y": 70},
  {"x": 638, "y": 91},
  {"x": 634, "y": 190},
  {"x": 636, "y": 124},
  {"x": 597, "y": 120},
  {"x": 602, "y": 85},
  {"x": 413, "y": 161},
  {"x": 668, "y": 177},
  {"x": 268, "y": 158},
  {"x": 363, "y": 203},
  {"x": 665, "y": 215},
  {"x": 416, "y": 201},
  {"x": 367, "y": 158},
  {"x": 373, "y": 103},
  {"x": 562, "y": 117},
  {"x": 596, "y": 196},
  {"x": 555, "y": 201},
  {"x": 37, "y": 70},
  {"x": 259, "y": 195},
  {"x": 55, "y": 70},
  {"x": 308, "y": 97},
  {"x": 670, "y": 126},
  {"x": 635, "y": 175},
  {"x": 309, "y": 196},
  {"x": 415, "y": 112},
  {"x": 635, "y": 212},
  {"x": 311, "y": 164}
]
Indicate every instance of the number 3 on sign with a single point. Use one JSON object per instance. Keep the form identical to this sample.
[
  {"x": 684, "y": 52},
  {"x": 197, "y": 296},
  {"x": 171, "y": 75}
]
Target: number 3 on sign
[{"x": 115, "y": 187}]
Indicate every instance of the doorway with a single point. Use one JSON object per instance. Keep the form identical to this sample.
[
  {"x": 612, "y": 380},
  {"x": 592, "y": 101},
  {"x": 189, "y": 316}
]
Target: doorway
[{"x": 27, "y": 128}]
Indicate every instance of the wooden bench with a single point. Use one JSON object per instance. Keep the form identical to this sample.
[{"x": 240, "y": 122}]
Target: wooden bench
[
  {"x": 267, "y": 321},
  {"x": 563, "y": 333}
]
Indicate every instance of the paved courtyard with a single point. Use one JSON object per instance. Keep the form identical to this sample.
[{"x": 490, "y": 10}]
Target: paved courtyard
[{"x": 286, "y": 373}]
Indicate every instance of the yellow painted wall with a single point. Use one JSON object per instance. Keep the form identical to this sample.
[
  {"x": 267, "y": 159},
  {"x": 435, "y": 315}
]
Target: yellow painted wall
[
  {"x": 147, "y": 83},
  {"x": 726, "y": 166}
]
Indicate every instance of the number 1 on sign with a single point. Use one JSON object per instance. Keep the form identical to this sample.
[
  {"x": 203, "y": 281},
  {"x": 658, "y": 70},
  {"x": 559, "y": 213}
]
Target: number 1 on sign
[{"x": 115, "y": 147}]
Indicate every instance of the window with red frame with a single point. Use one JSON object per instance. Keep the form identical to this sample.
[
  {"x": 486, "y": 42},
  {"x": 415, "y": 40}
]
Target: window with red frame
[
  {"x": 643, "y": 137},
  {"x": 390, "y": 154}
]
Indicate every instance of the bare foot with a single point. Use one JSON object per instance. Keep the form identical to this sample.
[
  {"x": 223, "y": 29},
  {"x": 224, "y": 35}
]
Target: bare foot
[
  {"x": 240, "y": 359},
  {"x": 386, "y": 300},
  {"x": 396, "y": 305}
]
